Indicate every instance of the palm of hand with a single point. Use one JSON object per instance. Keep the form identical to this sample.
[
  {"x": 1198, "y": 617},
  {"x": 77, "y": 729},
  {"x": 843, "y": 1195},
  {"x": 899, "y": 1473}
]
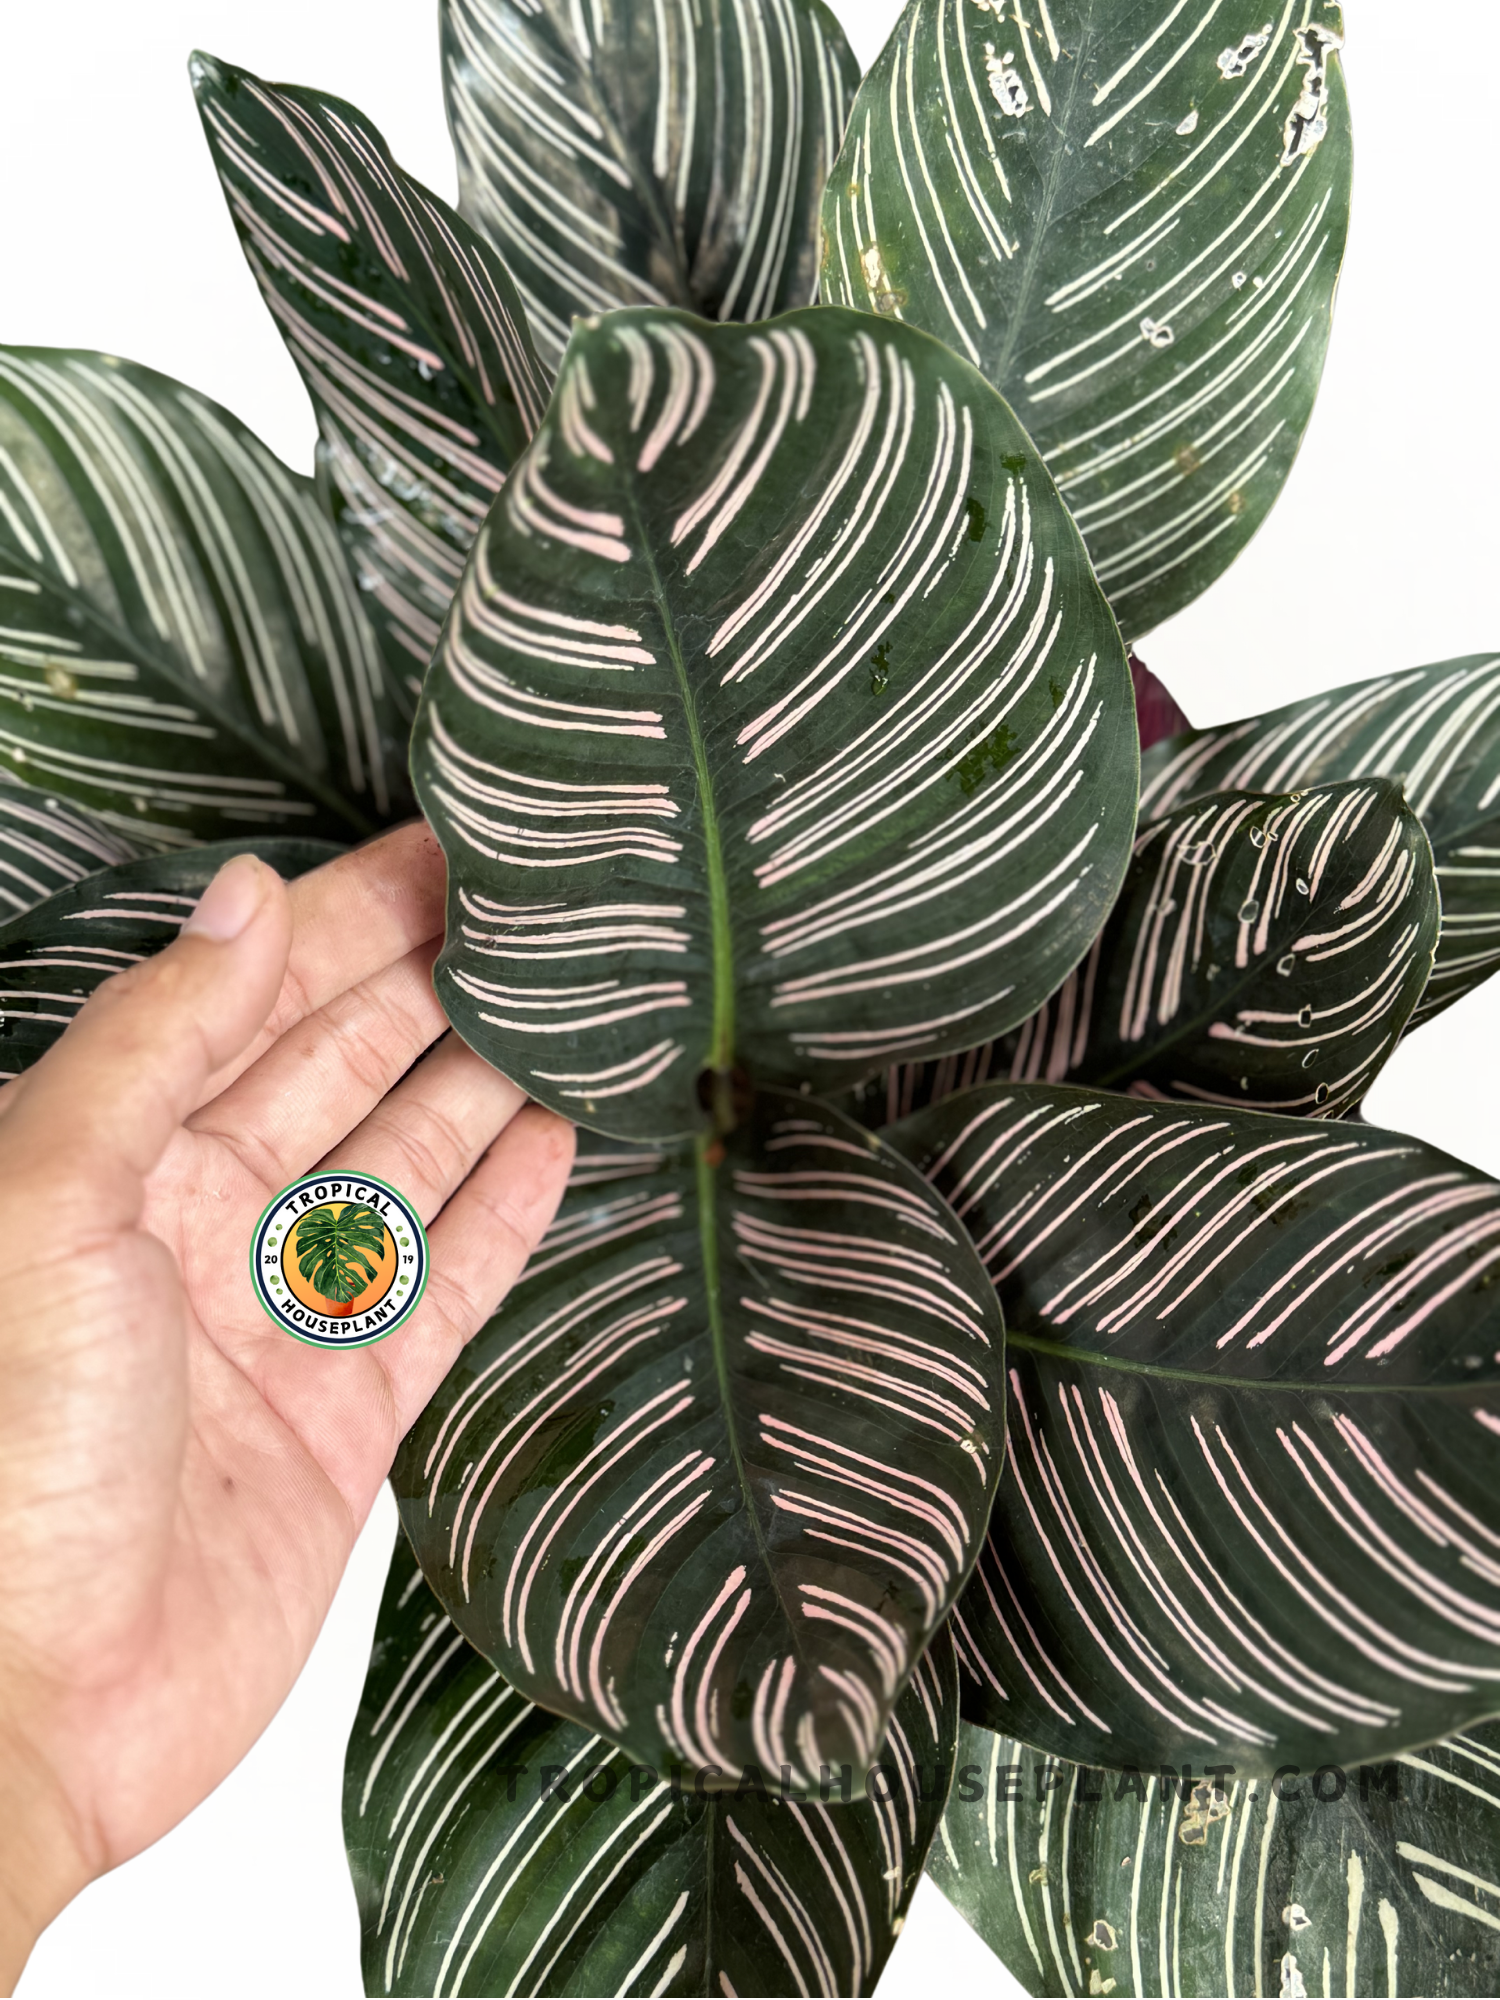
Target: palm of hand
[{"x": 191, "y": 1480}]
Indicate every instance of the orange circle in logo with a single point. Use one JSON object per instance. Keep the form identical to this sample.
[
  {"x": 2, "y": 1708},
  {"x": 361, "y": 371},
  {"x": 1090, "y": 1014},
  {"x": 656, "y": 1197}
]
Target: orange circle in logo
[{"x": 384, "y": 1263}]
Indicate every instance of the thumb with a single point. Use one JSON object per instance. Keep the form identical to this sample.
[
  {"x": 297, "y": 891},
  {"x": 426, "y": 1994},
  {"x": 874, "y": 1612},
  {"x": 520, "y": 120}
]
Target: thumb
[{"x": 101, "y": 1105}]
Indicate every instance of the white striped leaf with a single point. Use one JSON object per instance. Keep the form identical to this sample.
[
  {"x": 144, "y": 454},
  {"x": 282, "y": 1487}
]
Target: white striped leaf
[
  {"x": 181, "y": 647},
  {"x": 1436, "y": 729},
  {"x": 647, "y": 152},
  {"x": 498, "y": 1849},
  {"x": 1249, "y": 1509},
  {"x": 1265, "y": 951},
  {"x": 1381, "y": 1880},
  {"x": 53, "y": 956},
  {"x": 46, "y": 845},
  {"x": 711, "y": 1480},
  {"x": 1131, "y": 219},
  {"x": 407, "y": 331},
  {"x": 778, "y": 725}
]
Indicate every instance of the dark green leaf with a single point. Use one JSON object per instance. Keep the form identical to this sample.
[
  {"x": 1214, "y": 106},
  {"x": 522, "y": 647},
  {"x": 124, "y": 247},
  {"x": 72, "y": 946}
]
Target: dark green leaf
[
  {"x": 334, "y": 1248},
  {"x": 1383, "y": 1880},
  {"x": 1131, "y": 219},
  {"x": 181, "y": 648},
  {"x": 499, "y": 1849},
  {"x": 53, "y": 956},
  {"x": 1264, "y": 951},
  {"x": 407, "y": 331},
  {"x": 647, "y": 152},
  {"x": 711, "y": 1480},
  {"x": 1249, "y": 1511},
  {"x": 779, "y": 723},
  {"x": 1436, "y": 729},
  {"x": 46, "y": 846}
]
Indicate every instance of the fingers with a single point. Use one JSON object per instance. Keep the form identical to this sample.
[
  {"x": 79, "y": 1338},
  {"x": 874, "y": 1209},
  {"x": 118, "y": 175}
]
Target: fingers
[
  {"x": 351, "y": 918},
  {"x": 98, "y": 1109},
  {"x": 327, "y": 1073},
  {"x": 479, "y": 1243},
  {"x": 426, "y": 1135}
]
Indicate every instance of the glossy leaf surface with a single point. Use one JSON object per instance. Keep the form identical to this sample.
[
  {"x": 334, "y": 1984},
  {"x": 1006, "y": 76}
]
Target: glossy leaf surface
[
  {"x": 1249, "y": 1510},
  {"x": 181, "y": 648},
  {"x": 406, "y": 329},
  {"x": 46, "y": 846},
  {"x": 499, "y": 1849},
  {"x": 1264, "y": 951},
  {"x": 53, "y": 956},
  {"x": 779, "y": 723},
  {"x": 1131, "y": 219},
  {"x": 711, "y": 1480},
  {"x": 1436, "y": 729},
  {"x": 1383, "y": 1880},
  {"x": 647, "y": 152}
]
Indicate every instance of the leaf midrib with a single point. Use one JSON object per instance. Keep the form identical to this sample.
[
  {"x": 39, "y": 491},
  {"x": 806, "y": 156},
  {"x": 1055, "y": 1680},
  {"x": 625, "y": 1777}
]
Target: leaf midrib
[
  {"x": 1031, "y": 264},
  {"x": 708, "y": 1237},
  {"x": 1061, "y": 1350},
  {"x": 720, "y": 1056},
  {"x": 644, "y": 186},
  {"x": 265, "y": 748}
]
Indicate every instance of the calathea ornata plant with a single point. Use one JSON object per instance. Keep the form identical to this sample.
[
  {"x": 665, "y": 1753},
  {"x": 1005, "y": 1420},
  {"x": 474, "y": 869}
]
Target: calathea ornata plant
[{"x": 988, "y": 1400}]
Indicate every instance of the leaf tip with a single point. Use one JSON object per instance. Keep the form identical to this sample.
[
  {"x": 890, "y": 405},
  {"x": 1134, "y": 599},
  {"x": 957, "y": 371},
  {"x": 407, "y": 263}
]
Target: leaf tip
[{"x": 206, "y": 73}]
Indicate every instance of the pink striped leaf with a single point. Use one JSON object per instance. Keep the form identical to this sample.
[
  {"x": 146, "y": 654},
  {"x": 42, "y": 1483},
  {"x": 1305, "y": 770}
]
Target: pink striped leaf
[
  {"x": 1131, "y": 219},
  {"x": 1434, "y": 729},
  {"x": 497, "y": 1848},
  {"x": 647, "y": 152},
  {"x": 713, "y": 1478},
  {"x": 1381, "y": 1880},
  {"x": 1265, "y": 951},
  {"x": 1249, "y": 1513},
  {"x": 406, "y": 329},
  {"x": 55, "y": 954},
  {"x": 46, "y": 845},
  {"x": 183, "y": 652},
  {"x": 779, "y": 725}
]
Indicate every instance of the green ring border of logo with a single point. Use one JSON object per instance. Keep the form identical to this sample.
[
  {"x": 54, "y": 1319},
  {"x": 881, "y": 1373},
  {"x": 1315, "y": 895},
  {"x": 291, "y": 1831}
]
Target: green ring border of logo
[{"x": 335, "y": 1346}]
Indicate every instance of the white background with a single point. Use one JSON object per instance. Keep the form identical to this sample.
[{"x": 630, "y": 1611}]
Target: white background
[{"x": 1380, "y": 555}]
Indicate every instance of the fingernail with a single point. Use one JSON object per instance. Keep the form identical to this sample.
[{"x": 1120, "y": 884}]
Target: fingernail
[{"x": 229, "y": 902}]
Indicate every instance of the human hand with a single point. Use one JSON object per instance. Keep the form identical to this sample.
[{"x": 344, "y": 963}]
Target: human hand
[{"x": 180, "y": 1482}]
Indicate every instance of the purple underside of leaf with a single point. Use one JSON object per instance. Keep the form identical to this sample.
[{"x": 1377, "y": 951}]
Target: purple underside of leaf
[{"x": 1157, "y": 715}]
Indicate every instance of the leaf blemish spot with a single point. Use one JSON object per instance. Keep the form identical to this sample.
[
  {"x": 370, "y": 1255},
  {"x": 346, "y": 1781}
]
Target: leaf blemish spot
[
  {"x": 985, "y": 758},
  {"x": 1235, "y": 62}
]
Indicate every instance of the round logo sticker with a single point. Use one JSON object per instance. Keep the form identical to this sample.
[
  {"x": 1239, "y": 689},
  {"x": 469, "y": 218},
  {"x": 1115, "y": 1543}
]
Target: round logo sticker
[{"x": 339, "y": 1260}]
